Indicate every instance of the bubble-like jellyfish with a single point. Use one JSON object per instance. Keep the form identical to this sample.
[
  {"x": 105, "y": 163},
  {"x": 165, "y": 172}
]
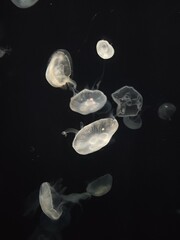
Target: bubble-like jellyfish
[
  {"x": 129, "y": 101},
  {"x": 24, "y": 3},
  {"x": 93, "y": 136},
  {"x": 104, "y": 49},
  {"x": 4, "y": 51},
  {"x": 100, "y": 186},
  {"x": 87, "y": 101},
  {"x": 166, "y": 111},
  {"x": 133, "y": 122},
  {"x": 59, "y": 70}
]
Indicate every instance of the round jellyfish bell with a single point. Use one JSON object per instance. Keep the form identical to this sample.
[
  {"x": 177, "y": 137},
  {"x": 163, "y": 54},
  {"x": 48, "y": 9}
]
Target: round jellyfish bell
[
  {"x": 59, "y": 70},
  {"x": 100, "y": 186},
  {"x": 24, "y": 3},
  {"x": 104, "y": 49},
  {"x": 93, "y": 136},
  {"x": 133, "y": 122},
  {"x": 129, "y": 101},
  {"x": 166, "y": 111},
  {"x": 87, "y": 101}
]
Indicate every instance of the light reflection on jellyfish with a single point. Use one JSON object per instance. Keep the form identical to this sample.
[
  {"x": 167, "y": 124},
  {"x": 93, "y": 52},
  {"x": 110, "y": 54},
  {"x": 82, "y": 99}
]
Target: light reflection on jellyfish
[
  {"x": 59, "y": 70},
  {"x": 24, "y": 3},
  {"x": 129, "y": 101},
  {"x": 166, "y": 111},
  {"x": 93, "y": 136},
  {"x": 104, "y": 49},
  {"x": 133, "y": 122}
]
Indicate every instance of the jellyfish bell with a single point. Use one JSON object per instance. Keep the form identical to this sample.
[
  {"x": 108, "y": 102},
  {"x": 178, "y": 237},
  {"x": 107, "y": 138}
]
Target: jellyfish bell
[
  {"x": 129, "y": 101},
  {"x": 93, "y": 136},
  {"x": 104, "y": 49},
  {"x": 133, "y": 122},
  {"x": 24, "y": 3},
  {"x": 59, "y": 70},
  {"x": 166, "y": 111},
  {"x": 100, "y": 186}
]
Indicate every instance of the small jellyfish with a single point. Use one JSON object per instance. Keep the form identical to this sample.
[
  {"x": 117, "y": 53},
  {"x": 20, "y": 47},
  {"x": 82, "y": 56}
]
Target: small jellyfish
[
  {"x": 4, "y": 51},
  {"x": 129, "y": 101},
  {"x": 133, "y": 122},
  {"x": 93, "y": 136},
  {"x": 59, "y": 70},
  {"x": 166, "y": 111},
  {"x": 24, "y": 3},
  {"x": 100, "y": 186},
  {"x": 104, "y": 49},
  {"x": 87, "y": 101}
]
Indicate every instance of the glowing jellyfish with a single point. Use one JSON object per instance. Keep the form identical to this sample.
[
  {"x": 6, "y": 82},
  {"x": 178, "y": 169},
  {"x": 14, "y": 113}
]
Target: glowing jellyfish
[
  {"x": 104, "y": 49},
  {"x": 24, "y": 3},
  {"x": 4, "y": 51},
  {"x": 129, "y": 101},
  {"x": 166, "y": 111},
  {"x": 59, "y": 70},
  {"x": 133, "y": 122},
  {"x": 93, "y": 136},
  {"x": 87, "y": 101},
  {"x": 100, "y": 186}
]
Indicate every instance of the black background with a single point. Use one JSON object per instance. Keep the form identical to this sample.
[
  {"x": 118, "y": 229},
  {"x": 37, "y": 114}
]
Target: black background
[{"x": 144, "y": 201}]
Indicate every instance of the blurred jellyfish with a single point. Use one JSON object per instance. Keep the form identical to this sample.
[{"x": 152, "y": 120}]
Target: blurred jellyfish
[
  {"x": 4, "y": 51},
  {"x": 24, "y": 3},
  {"x": 100, "y": 186},
  {"x": 133, "y": 122},
  {"x": 166, "y": 111},
  {"x": 129, "y": 101},
  {"x": 87, "y": 101},
  {"x": 93, "y": 136},
  {"x": 59, "y": 70},
  {"x": 104, "y": 49}
]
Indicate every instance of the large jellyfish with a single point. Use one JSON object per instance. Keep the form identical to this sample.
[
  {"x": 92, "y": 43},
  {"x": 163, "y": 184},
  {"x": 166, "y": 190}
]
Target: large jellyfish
[
  {"x": 24, "y": 3},
  {"x": 104, "y": 49},
  {"x": 166, "y": 111},
  {"x": 93, "y": 136},
  {"x": 59, "y": 70},
  {"x": 87, "y": 101},
  {"x": 133, "y": 122},
  {"x": 100, "y": 186},
  {"x": 129, "y": 101}
]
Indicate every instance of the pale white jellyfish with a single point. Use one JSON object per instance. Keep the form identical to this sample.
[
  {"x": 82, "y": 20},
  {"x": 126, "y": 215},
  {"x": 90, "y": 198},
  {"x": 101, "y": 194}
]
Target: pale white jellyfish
[
  {"x": 4, "y": 51},
  {"x": 104, "y": 49},
  {"x": 59, "y": 70},
  {"x": 166, "y": 111},
  {"x": 100, "y": 186},
  {"x": 93, "y": 136},
  {"x": 24, "y": 3},
  {"x": 129, "y": 101},
  {"x": 133, "y": 122},
  {"x": 87, "y": 101}
]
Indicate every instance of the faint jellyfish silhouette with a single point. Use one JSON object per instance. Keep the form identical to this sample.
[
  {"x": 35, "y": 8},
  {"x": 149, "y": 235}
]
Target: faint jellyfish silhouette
[
  {"x": 100, "y": 186},
  {"x": 93, "y": 136},
  {"x": 166, "y": 111},
  {"x": 104, "y": 49},
  {"x": 24, "y": 3},
  {"x": 133, "y": 122},
  {"x": 4, "y": 51},
  {"x": 129, "y": 101},
  {"x": 87, "y": 101},
  {"x": 59, "y": 70}
]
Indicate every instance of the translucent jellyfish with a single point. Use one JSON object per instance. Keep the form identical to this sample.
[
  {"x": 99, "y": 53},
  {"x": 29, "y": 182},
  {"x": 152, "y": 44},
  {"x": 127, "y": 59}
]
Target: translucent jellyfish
[
  {"x": 166, "y": 111},
  {"x": 100, "y": 186},
  {"x": 93, "y": 136},
  {"x": 87, "y": 101},
  {"x": 24, "y": 3},
  {"x": 59, "y": 70},
  {"x": 129, "y": 101},
  {"x": 104, "y": 49},
  {"x": 4, "y": 51},
  {"x": 133, "y": 122}
]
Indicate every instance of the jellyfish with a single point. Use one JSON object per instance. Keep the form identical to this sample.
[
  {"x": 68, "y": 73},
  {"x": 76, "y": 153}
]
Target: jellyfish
[
  {"x": 4, "y": 51},
  {"x": 87, "y": 101},
  {"x": 104, "y": 49},
  {"x": 24, "y": 3},
  {"x": 129, "y": 101},
  {"x": 100, "y": 186},
  {"x": 59, "y": 70},
  {"x": 133, "y": 122},
  {"x": 166, "y": 111},
  {"x": 93, "y": 136}
]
